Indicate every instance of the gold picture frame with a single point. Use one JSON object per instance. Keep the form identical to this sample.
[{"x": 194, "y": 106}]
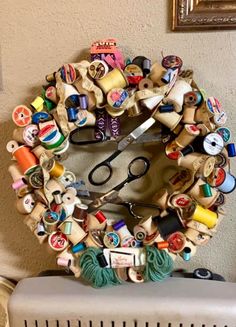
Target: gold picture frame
[{"x": 203, "y": 14}]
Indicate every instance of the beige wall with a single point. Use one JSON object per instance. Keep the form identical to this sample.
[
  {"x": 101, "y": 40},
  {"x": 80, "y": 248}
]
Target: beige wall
[{"x": 38, "y": 36}]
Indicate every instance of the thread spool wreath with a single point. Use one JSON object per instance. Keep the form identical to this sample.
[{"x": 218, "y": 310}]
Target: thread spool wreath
[{"x": 97, "y": 93}]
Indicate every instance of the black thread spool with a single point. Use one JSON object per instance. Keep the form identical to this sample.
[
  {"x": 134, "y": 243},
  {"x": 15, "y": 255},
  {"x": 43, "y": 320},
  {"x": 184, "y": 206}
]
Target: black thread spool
[
  {"x": 169, "y": 224},
  {"x": 102, "y": 260}
]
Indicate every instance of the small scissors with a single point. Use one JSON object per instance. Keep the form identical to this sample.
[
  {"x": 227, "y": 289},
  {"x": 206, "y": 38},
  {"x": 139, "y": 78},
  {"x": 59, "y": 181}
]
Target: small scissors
[
  {"x": 112, "y": 196},
  {"x": 122, "y": 145}
]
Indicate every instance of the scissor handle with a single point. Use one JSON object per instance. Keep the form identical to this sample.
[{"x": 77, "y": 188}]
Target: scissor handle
[
  {"x": 76, "y": 131},
  {"x": 106, "y": 163},
  {"x": 132, "y": 176}
]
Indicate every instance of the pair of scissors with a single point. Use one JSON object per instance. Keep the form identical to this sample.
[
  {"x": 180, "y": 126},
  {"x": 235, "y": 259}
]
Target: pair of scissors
[
  {"x": 137, "y": 168},
  {"x": 122, "y": 145}
]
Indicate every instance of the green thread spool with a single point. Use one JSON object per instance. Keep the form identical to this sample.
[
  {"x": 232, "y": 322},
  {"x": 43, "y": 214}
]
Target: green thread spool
[
  {"x": 206, "y": 190},
  {"x": 67, "y": 227}
]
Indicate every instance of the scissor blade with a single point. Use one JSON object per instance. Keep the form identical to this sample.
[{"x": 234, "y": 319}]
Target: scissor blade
[
  {"x": 110, "y": 197},
  {"x": 135, "y": 133}
]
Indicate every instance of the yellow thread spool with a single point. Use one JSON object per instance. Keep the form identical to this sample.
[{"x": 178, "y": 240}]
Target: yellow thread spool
[
  {"x": 37, "y": 104},
  {"x": 114, "y": 79},
  {"x": 205, "y": 216},
  {"x": 56, "y": 170}
]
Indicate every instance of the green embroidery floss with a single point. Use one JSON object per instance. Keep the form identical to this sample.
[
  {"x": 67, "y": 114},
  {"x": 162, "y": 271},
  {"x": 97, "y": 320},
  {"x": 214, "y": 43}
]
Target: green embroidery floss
[
  {"x": 159, "y": 264},
  {"x": 93, "y": 273}
]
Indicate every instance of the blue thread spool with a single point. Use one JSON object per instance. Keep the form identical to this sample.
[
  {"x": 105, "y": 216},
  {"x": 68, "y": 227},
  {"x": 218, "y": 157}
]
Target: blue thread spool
[
  {"x": 146, "y": 66},
  {"x": 83, "y": 101},
  {"x": 168, "y": 76},
  {"x": 39, "y": 117},
  {"x": 166, "y": 108},
  {"x": 228, "y": 185},
  {"x": 78, "y": 247},
  {"x": 187, "y": 253},
  {"x": 231, "y": 150},
  {"x": 72, "y": 114}
]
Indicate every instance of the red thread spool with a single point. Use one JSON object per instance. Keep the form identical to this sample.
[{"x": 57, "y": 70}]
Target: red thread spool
[
  {"x": 100, "y": 216},
  {"x": 25, "y": 158}
]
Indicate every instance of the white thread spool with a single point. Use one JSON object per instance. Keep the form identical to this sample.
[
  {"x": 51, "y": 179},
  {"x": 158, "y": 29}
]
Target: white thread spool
[
  {"x": 26, "y": 204},
  {"x": 152, "y": 102},
  {"x": 187, "y": 135},
  {"x": 53, "y": 186},
  {"x": 12, "y": 146},
  {"x": 77, "y": 233},
  {"x": 197, "y": 193},
  {"x": 150, "y": 227},
  {"x": 169, "y": 119},
  {"x": 69, "y": 90},
  {"x": 188, "y": 116},
  {"x": 176, "y": 95}
]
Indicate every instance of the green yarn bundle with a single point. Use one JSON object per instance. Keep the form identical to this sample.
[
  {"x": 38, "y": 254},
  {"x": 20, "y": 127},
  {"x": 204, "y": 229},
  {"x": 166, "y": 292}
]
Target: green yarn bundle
[{"x": 159, "y": 266}]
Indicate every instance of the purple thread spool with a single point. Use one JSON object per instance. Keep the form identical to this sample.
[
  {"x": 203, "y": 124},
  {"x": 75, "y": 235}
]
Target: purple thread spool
[{"x": 83, "y": 101}]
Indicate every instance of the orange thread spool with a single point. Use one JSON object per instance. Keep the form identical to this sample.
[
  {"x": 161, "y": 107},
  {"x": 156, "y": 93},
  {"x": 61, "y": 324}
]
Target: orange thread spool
[
  {"x": 25, "y": 158},
  {"x": 162, "y": 245}
]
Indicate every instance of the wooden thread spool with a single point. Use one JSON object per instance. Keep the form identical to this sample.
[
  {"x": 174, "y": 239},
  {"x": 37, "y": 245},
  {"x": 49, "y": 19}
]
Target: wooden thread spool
[
  {"x": 54, "y": 185},
  {"x": 26, "y": 159},
  {"x": 196, "y": 237},
  {"x": 91, "y": 97},
  {"x": 207, "y": 166},
  {"x": 151, "y": 229},
  {"x": 151, "y": 103},
  {"x": 145, "y": 83},
  {"x": 50, "y": 220},
  {"x": 77, "y": 233},
  {"x": 187, "y": 135},
  {"x": 135, "y": 110},
  {"x": 157, "y": 71},
  {"x": 169, "y": 119},
  {"x": 161, "y": 198},
  {"x": 188, "y": 116},
  {"x": 51, "y": 94},
  {"x": 176, "y": 95},
  {"x": 80, "y": 212},
  {"x": 92, "y": 222},
  {"x": 139, "y": 233},
  {"x": 54, "y": 168},
  {"x": 38, "y": 212},
  {"x": 197, "y": 193},
  {"x": 204, "y": 130},
  {"x": 192, "y": 161},
  {"x": 26, "y": 204},
  {"x": 38, "y": 151},
  {"x": 113, "y": 79},
  {"x": 15, "y": 172}
]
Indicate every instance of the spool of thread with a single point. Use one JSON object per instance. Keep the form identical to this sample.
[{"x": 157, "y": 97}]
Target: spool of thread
[
  {"x": 176, "y": 95},
  {"x": 211, "y": 144},
  {"x": 166, "y": 108},
  {"x": 228, "y": 185},
  {"x": 157, "y": 71},
  {"x": 26, "y": 159},
  {"x": 196, "y": 192},
  {"x": 177, "y": 241},
  {"x": 189, "y": 114},
  {"x": 117, "y": 98},
  {"x": 162, "y": 245},
  {"x": 187, "y": 150},
  {"x": 114, "y": 79},
  {"x": 50, "y": 136},
  {"x": 68, "y": 73},
  {"x": 54, "y": 168},
  {"x": 54, "y": 185},
  {"x": 58, "y": 241},
  {"x": 205, "y": 216},
  {"x": 160, "y": 198},
  {"x": 114, "y": 112},
  {"x": 72, "y": 114},
  {"x": 71, "y": 96},
  {"x": 169, "y": 224},
  {"x": 193, "y": 98},
  {"x": 145, "y": 83},
  {"x": 133, "y": 73},
  {"x": 204, "y": 130},
  {"x": 21, "y": 116},
  {"x": 51, "y": 94},
  {"x": 100, "y": 216},
  {"x": 63, "y": 262},
  {"x": 122, "y": 230},
  {"x": 98, "y": 69},
  {"x": 25, "y": 204},
  {"x": 169, "y": 119},
  {"x": 80, "y": 212},
  {"x": 206, "y": 190},
  {"x": 111, "y": 240},
  {"x": 187, "y": 253},
  {"x": 50, "y": 221},
  {"x": 135, "y": 110},
  {"x": 102, "y": 260},
  {"x": 38, "y": 212},
  {"x": 150, "y": 228},
  {"x": 26, "y": 135},
  {"x": 231, "y": 150},
  {"x": 12, "y": 146},
  {"x": 187, "y": 135},
  {"x": 78, "y": 248},
  {"x": 195, "y": 161},
  {"x": 57, "y": 197},
  {"x": 67, "y": 227},
  {"x": 19, "y": 184},
  {"x": 40, "y": 229},
  {"x": 77, "y": 233},
  {"x": 139, "y": 233},
  {"x": 50, "y": 77},
  {"x": 196, "y": 237},
  {"x": 168, "y": 76},
  {"x": 83, "y": 101},
  {"x": 15, "y": 172},
  {"x": 37, "y": 104},
  {"x": 146, "y": 66}
]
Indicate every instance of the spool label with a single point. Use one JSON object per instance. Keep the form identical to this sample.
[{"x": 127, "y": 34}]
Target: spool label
[
  {"x": 117, "y": 98},
  {"x": 58, "y": 241},
  {"x": 225, "y": 133},
  {"x": 213, "y": 144}
]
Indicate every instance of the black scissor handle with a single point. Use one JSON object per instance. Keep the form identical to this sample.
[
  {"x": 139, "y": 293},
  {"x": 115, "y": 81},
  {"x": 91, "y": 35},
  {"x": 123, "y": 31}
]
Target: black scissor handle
[
  {"x": 75, "y": 132},
  {"x": 106, "y": 163}
]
